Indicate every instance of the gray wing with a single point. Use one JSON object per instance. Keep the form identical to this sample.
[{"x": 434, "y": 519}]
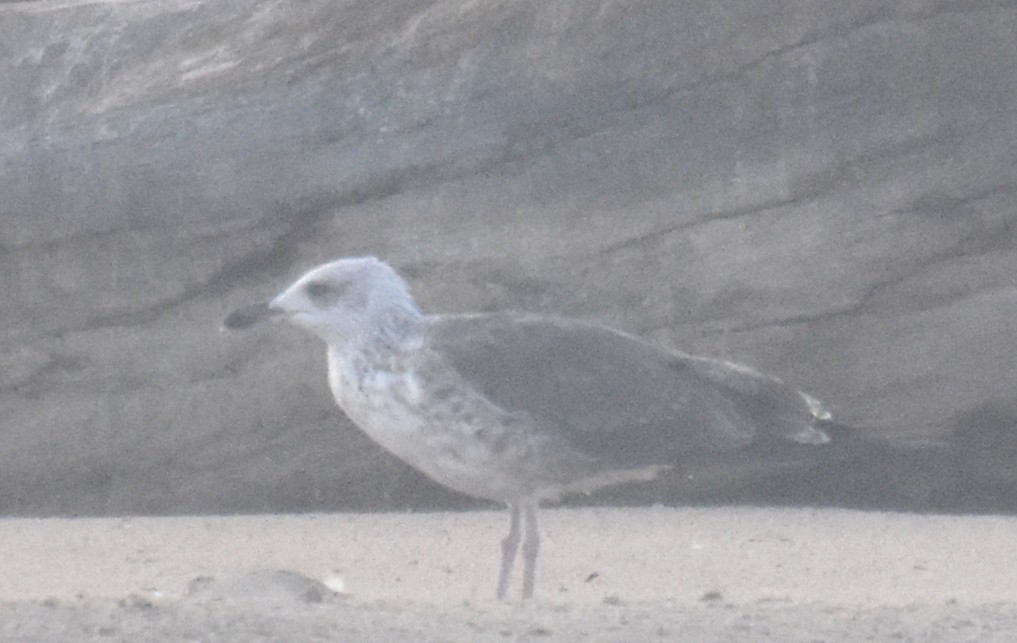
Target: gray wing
[{"x": 612, "y": 396}]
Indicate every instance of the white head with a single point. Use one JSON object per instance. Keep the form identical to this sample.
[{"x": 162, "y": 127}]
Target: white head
[{"x": 356, "y": 302}]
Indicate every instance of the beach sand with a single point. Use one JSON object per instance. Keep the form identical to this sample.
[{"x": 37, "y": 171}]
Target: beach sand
[{"x": 604, "y": 574}]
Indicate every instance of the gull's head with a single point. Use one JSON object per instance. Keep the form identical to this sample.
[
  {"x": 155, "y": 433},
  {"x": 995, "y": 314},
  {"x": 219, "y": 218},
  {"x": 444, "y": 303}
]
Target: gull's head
[{"x": 347, "y": 301}]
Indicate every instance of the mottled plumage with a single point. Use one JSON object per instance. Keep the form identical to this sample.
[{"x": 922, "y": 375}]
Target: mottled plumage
[{"x": 519, "y": 408}]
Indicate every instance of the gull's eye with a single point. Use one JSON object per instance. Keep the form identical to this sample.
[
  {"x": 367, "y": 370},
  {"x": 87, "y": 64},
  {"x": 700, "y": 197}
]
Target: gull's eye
[{"x": 319, "y": 290}]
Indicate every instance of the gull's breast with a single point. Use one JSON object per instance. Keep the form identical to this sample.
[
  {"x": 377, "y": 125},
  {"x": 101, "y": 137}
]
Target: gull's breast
[{"x": 456, "y": 437}]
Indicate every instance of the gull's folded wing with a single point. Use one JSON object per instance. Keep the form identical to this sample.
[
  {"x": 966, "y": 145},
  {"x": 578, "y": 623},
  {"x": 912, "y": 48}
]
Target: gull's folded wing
[{"x": 615, "y": 397}]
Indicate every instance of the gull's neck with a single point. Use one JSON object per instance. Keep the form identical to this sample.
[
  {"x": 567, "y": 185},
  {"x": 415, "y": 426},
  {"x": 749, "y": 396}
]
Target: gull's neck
[
  {"x": 386, "y": 340},
  {"x": 359, "y": 364}
]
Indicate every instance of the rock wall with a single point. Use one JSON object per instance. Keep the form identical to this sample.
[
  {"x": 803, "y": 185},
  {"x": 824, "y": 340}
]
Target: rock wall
[{"x": 826, "y": 191}]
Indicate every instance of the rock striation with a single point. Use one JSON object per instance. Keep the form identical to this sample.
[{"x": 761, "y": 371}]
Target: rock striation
[{"x": 827, "y": 192}]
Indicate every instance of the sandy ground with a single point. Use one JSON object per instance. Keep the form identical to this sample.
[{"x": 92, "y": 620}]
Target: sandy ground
[{"x": 730, "y": 574}]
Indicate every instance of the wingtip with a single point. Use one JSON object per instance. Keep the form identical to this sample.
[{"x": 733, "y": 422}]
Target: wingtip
[
  {"x": 810, "y": 433},
  {"x": 816, "y": 408}
]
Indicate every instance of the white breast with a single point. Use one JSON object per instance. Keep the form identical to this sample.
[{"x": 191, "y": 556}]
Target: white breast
[{"x": 369, "y": 402}]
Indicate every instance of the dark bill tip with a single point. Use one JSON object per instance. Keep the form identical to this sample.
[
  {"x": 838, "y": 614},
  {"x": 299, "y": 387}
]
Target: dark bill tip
[{"x": 247, "y": 316}]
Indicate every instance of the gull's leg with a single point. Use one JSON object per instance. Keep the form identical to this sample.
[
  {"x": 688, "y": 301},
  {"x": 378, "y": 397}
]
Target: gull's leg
[
  {"x": 530, "y": 548},
  {"x": 509, "y": 547}
]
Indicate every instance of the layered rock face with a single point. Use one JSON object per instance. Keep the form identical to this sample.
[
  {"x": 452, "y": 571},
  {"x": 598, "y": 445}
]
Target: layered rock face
[{"x": 827, "y": 192}]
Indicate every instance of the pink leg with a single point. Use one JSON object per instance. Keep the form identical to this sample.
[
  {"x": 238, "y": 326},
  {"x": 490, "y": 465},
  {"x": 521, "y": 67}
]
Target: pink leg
[
  {"x": 530, "y": 548},
  {"x": 509, "y": 547}
]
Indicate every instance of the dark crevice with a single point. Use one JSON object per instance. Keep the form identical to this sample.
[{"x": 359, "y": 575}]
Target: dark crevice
[
  {"x": 302, "y": 220},
  {"x": 812, "y": 187}
]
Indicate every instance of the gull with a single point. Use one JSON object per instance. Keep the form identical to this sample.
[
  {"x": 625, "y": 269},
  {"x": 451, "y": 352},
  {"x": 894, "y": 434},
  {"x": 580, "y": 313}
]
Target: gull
[{"x": 522, "y": 408}]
